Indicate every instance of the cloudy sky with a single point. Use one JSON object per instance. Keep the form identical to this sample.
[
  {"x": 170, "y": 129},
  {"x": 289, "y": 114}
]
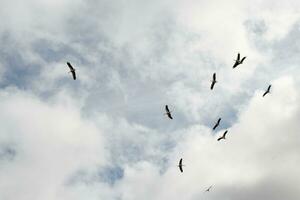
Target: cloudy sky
[{"x": 104, "y": 136}]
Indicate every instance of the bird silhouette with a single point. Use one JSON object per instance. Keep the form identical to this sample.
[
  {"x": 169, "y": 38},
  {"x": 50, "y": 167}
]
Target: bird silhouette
[
  {"x": 217, "y": 124},
  {"x": 208, "y": 189},
  {"x": 168, "y": 112},
  {"x": 72, "y": 70},
  {"x": 223, "y": 136},
  {"x": 180, "y": 165},
  {"x": 213, "y": 82},
  {"x": 268, "y": 91},
  {"x": 238, "y": 61}
]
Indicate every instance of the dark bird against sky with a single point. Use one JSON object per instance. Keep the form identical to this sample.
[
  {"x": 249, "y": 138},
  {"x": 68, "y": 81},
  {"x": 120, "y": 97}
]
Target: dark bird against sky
[
  {"x": 72, "y": 70},
  {"x": 168, "y": 112},
  {"x": 238, "y": 61},
  {"x": 217, "y": 124},
  {"x": 180, "y": 165},
  {"x": 268, "y": 91},
  {"x": 208, "y": 189},
  {"x": 223, "y": 136},
  {"x": 213, "y": 82}
]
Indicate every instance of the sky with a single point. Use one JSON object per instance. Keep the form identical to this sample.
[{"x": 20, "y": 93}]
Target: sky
[{"x": 105, "y": 135}]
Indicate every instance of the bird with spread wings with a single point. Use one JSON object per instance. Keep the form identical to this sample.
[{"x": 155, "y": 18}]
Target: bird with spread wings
[
  {"x": 217, "y": 124},
  {"x": 180, "y": 165},
  {"x": 238, "y": 61},
  {"x": 267, "y": 91},
  {"x": 223, "y": 136},
  {"x": 214, "y": 81},
  {"x": 168, "y": 112},
  {"x": 72, "y": 70}
]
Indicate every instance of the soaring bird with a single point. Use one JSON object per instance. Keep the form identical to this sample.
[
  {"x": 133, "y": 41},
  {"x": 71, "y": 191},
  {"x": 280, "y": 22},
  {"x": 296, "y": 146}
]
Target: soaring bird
[
  {"x": 213, "y": 82},
  {"x": 223, "y": 136},
  {"x": 72, "y": 70},
  {"x": 180, "y": 165},
  {"x": 238, "y": 61},
  {"x": 168, "y": 112},
  {"x": 208, "y": 189},
  {"x": 268, "y": 90},
  {"x": 217, "y": 124}
]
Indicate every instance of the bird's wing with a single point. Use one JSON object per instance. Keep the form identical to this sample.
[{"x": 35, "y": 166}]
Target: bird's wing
[
  {"x": 180, "y": 162},
  {"x": 180, "y": 167},
  {"x": 167, "y": 109},
  {"x": 169, "y": 115},
  {"x": 269, "y": 87},
  {"x": 216, "y": 125},
  {"x": 238, "y": 56},
  {"x": 74, "y": 75},
  {"x": 224, "y": 134},
  {"x": 212, "y": 85},
  {"x": 243, "y": 59},
  {"x": 70, "y": 66},
  {"x": 235, "y": 64},
  {"x": 220, "y": 138},
  {"x": 266, "y": 92},
  {"x": 214, "y": 77}
]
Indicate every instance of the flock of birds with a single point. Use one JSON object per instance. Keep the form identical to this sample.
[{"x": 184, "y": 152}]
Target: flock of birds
[{"x": 238, "y": 62}]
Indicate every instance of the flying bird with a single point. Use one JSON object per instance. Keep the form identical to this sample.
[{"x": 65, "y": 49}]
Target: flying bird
[
  {"x": 268, "y": 90},
  {"x": 217, "y": 124},
  {"x": 223, "y": 136},
  {"x": 72, "y": 70},
  {"x": 238, "y": 61},
  {"x": 213, "y": 82},
  {"x": 208, "y": 189},
  {"x": 168, "y": 112},
  {"x": 180, "y": 165}
]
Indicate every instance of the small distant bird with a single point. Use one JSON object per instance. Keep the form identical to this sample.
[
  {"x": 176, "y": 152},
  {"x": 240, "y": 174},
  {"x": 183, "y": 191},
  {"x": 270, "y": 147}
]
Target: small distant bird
[
  {"x": 268, "y": 91},
  {"x": 180, "y": 165},
  {"x": 217, "y": 124},
  {"x": 208, "y": 189},
  {"x": 213, "y": 82},
  {"x": 168, "y": 112},
  {"x": 238, "y": 61},
  {"x": 72, "y": 70},
  {"x": 223, "y": 136}
]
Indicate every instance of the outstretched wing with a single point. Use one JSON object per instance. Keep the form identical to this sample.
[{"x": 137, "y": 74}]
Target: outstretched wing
[
  {"x": 269, "y": 87},
  {"x": 238, "y": 57},
  {"x": 266, "y": 92},
  {"x": 220, "y": 138},
  {"x": 216, "y": 125},
  {"x": 169, "y": 115},
  {"x": 73, "y": 74},
  {"x": 214, "y": 77},
  {"x": 224, "y": 134},
  {"x": 212, "y": 85},
  {"x": 180, "y": 167},
  {"x": 70, "y": 66},
  {"x": 167, "y": 109},
  {"x": 243, "y": 59},
  {"x": 180, "y": 161},
  {"x": 235, "y": 64}
]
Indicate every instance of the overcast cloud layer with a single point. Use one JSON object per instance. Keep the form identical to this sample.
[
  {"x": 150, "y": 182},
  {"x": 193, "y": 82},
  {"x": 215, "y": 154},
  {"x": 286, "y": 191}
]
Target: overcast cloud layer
[{"x": 104, "y": 136}]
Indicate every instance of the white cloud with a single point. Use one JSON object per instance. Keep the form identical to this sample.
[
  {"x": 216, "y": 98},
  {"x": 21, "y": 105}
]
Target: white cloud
[{"x": 52, "y": 141}]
